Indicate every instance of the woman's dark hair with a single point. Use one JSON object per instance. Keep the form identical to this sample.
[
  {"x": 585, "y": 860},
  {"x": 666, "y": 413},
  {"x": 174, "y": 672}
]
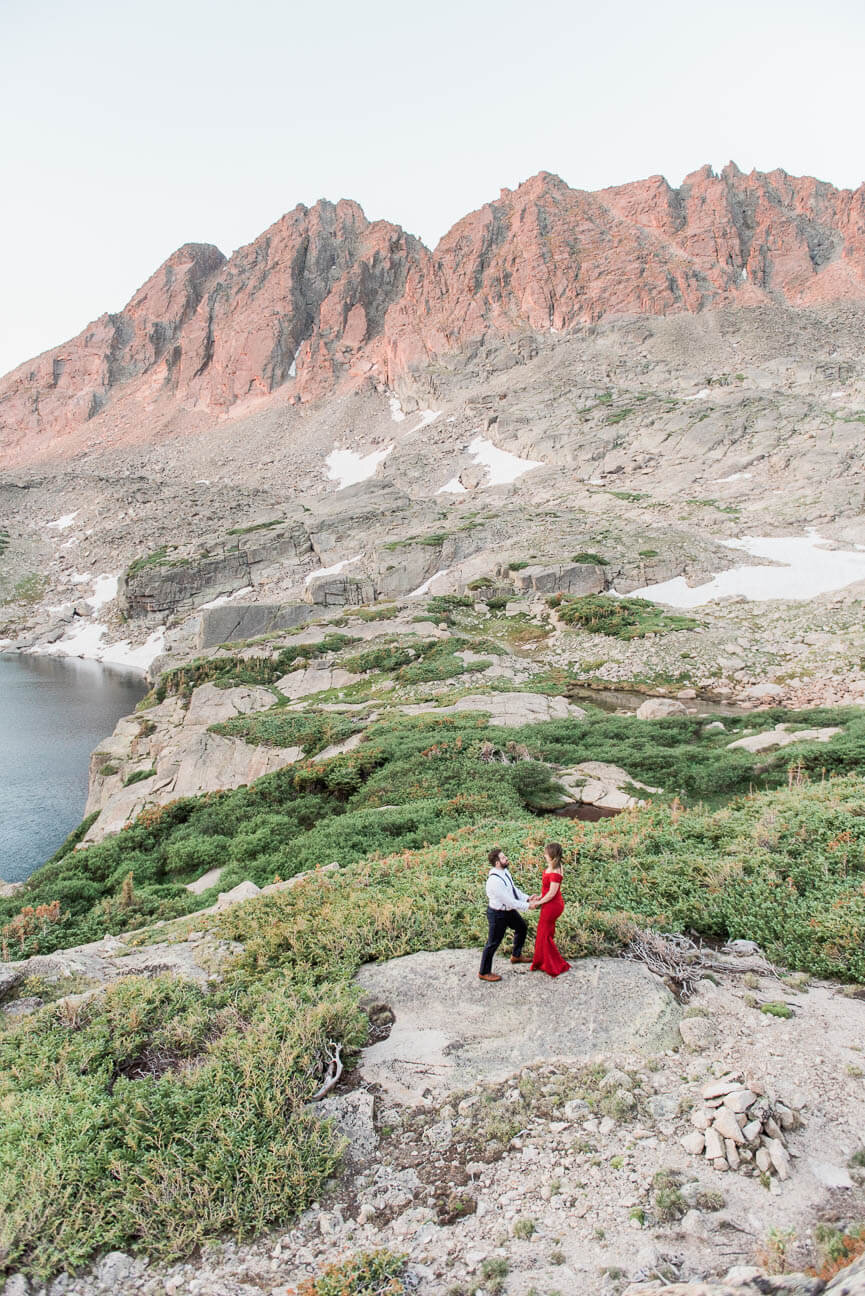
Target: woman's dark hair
[
  {"x": 493, "y": 856},
  {"x": 553, "y": 851}
]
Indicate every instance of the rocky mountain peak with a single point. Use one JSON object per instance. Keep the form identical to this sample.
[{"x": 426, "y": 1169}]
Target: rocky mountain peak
[{"x": 326, "y": 300}]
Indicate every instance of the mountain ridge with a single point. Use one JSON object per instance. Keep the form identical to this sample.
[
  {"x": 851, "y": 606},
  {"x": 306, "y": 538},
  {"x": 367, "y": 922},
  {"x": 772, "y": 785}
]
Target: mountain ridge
[{"x": 326, "y": 300}]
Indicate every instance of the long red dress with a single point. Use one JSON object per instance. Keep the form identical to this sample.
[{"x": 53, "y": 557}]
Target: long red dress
[{"x": 546, "y": 956}]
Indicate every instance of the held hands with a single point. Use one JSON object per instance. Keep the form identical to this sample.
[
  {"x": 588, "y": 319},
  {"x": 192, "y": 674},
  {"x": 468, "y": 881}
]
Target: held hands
[{"x": 534, "y": 902}]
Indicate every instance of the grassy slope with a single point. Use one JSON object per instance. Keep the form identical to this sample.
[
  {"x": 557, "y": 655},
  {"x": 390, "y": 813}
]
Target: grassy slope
[
  {"x": 157, "y": 1115},
  {"x": 410, "y": 782},
  {"x": 92, "y": 1158}
]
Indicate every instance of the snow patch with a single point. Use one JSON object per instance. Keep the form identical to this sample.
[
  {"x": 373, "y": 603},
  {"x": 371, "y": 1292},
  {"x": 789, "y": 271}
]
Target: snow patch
[
  {"x": 397, "y": 412},
  {"x": 424, "y": 589},
  {"x": 104, "y": 591},
  {"x": 808, "y": 570},
  {"x": 347, "y": 468},
  {"x": 225, "y": 598},
  {"x": 452, "y": 487},
  {"x": 426, "y": 417},
  {"x": 700, "y": 395},
  {"x": 739, "y": 476},
  {"x": 502, "y": 466},
  {"x": 331, "y": 571},
  {"x": 87, "y": 641},
  {"x": 140, "y": 658},
  {"x": 65, "y": 521},
  {"x": 292, "y": 368}
]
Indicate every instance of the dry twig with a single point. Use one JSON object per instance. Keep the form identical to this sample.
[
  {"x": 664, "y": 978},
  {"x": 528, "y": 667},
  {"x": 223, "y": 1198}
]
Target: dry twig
[{"x": 333, "y": 1072}]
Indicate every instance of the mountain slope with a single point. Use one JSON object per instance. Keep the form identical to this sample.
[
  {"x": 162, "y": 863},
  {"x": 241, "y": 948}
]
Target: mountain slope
[{"x": 326, "y": 299}]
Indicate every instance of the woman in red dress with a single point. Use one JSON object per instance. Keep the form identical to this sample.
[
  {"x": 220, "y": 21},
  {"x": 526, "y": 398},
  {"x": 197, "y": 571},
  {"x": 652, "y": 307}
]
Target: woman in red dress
[{"x": 551, "y": 904}]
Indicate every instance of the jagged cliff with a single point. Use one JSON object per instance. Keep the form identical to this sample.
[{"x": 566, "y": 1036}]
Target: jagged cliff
[{"x": 326, "y": 299}]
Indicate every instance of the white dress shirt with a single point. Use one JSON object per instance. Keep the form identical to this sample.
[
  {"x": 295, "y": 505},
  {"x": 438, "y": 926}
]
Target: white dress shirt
[{"x": 503, "y": 892}]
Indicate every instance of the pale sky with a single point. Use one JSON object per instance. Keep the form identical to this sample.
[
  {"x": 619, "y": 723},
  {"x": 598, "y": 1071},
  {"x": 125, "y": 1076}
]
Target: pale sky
[{"x": 131, "y": 128}]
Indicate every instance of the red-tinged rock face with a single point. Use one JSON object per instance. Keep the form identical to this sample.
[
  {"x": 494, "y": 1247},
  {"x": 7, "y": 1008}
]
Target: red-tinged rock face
[{"x": 326, "y": 298}]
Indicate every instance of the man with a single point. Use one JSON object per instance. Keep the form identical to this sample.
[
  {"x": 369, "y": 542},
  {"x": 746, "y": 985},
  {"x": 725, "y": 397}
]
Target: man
[{"x": 505, "y": 901}]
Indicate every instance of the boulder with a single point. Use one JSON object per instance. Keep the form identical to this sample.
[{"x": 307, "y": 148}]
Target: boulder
[
  {"x": 114, "y": 1269},
  {"x": 243, "y": 891},
  {"x": 698, "y": 1033},
  {"x": 22, "y": 1007},
  {"x": 714, "y": 1144},
  {"x": 98, "y": 963},
  {"x": 562, "y": 578},
  {"x": 767, "y": 691},
  {"x": 781, "y": 737},
  {"x": 507, "y": 709},
  {"x": 235, "y": 622},
  {"x": 10, "y": 975},
  {"x": 446, "y": 1036},
  {"x": 210, "y": 704},
  {"x": 303, "y": 683},
  {"x": 660, "y": 708}
]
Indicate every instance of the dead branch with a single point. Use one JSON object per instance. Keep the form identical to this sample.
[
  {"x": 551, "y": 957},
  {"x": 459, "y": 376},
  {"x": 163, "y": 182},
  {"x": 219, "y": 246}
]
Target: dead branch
[{"x": 332, "y": 1073}]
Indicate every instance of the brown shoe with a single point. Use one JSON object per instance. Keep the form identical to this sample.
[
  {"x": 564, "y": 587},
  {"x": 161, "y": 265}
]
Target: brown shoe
[
  {"x": 488, "y": 976},
  {"x": 520, "y": 958}
]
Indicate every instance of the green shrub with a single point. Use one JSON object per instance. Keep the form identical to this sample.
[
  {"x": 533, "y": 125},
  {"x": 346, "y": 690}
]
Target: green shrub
[
  {"x": 776, "y": 1009},
  {"x": 668, "y": 1200},
  {"x": 137, "y": 775},
  {"x": 620, "y": 618},
  {"x": 442, "y": 606},
  {"x": 312, "y": 731},
  {"x": 233, "y": 669},
  {"x": 160, "y": 557},
  {"x": 158, "y": 1115},
  {"x": 589, "y": 558},
  {"x": 384, "y": 657},
  {"x": 255, "y": 526},
  {"x": 369, "y": 1273}
]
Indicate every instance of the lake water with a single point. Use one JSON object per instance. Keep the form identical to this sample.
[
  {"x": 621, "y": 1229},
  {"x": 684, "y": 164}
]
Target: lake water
[{"x": 53, "y": 713}]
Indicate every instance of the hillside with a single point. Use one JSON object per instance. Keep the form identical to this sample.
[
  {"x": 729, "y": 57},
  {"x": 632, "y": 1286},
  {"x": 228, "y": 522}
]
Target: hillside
[
  {"x": 553, "y": 532},
  {"x": 184, "y": 1048}
]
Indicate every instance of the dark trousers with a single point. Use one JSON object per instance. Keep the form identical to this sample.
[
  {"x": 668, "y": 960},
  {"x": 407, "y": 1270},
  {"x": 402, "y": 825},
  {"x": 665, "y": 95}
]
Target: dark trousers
[{"x": 500, "y": 920}]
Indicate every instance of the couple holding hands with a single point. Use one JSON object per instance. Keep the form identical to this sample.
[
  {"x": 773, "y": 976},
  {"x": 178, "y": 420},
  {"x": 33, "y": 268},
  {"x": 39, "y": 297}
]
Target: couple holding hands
[{"x": 505, "y": 903}]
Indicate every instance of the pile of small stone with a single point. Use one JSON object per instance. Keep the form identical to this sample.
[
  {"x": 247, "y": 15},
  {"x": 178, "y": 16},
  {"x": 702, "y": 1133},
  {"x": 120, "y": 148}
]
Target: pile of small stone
[{"x": 739, "y": 1126}]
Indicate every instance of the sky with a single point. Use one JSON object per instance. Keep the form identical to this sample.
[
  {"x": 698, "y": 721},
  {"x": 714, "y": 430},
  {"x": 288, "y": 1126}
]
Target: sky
[{"x": 129, "y": 129}]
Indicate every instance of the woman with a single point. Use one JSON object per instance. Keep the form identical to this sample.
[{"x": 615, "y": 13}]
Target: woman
[{"x": 547, "y": 957}]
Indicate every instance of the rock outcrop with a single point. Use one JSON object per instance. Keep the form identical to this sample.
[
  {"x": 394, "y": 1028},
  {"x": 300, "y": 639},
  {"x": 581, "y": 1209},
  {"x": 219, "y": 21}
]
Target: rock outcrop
[
  {"x": 169, "y": 752},
  {"x": 326, "y": 298},
  {"x": 163, "y": 583}
]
